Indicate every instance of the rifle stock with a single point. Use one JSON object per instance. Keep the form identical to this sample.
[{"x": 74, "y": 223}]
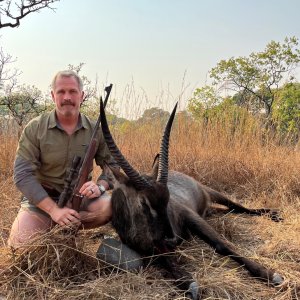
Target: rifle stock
[{"x": 80, "y": 169}]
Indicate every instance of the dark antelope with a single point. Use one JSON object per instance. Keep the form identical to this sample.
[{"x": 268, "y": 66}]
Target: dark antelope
[{"x": 154, "y": 213}]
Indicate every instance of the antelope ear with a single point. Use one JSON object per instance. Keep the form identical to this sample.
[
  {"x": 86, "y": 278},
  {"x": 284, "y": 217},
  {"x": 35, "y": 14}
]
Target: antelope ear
[
  {"x": 155, "y": 164},
  {"x": 114, "y": 175}
]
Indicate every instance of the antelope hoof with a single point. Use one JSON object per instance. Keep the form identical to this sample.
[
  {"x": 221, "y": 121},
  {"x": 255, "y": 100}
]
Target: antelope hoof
[
  {"x": 274, "y": 215},
  {"x": 277, "y": 279},
  {"x": 193, "y": 291}
]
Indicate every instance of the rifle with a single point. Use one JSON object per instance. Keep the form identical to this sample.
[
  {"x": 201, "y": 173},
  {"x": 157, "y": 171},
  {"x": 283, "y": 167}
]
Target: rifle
[{"x": 80, "y": 168}]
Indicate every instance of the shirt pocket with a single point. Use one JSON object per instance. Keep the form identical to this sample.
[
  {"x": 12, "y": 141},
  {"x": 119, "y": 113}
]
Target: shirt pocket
[
  {"x": 53, "y": 156},
  {"x": 80, "y": 150}
]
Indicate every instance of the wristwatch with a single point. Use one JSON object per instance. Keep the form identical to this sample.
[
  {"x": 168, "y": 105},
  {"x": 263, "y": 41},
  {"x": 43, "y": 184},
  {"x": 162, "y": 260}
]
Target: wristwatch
[{"x": 101, "y": 189}]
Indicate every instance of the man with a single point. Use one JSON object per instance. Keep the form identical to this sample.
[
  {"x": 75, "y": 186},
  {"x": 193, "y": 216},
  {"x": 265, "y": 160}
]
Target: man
[{"x": 44, "y": 155}]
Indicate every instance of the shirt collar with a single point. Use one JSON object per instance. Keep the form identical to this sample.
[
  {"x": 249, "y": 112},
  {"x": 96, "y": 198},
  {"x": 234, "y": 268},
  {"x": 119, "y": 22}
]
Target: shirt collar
[{"x": 82, "y": 122}]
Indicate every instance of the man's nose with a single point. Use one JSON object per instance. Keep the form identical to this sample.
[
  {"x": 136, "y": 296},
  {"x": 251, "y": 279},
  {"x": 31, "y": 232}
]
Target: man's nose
[{"x": 67, "y": 96}]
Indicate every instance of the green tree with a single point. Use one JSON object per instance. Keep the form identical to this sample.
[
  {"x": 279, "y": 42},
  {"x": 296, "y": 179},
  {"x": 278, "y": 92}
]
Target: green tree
[
  {"x": 23, "y": 104},
  {"x": 203, "y": 100},
  {"x": 154, "y": 114},
  {"x": 210, "y": 108},
  {"x": 258, "y": 77},
  {"x": 286, "y": 112}
]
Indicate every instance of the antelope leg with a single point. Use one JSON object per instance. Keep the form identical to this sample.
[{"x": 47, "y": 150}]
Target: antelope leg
[{"x": 199, "y": 227}]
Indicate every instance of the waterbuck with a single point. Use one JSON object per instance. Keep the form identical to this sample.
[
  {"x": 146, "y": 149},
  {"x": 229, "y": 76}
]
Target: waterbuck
[{"x": 154, "y": 213}]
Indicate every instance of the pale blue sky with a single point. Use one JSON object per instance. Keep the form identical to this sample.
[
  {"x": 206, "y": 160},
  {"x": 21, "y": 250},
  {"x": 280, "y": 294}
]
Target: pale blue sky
[{"x": 155, "y": 43}]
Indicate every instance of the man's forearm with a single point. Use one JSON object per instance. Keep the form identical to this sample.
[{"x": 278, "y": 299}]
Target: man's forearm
[
  {"x": 26, "y": 181},
  {"x": 47, "y": 205}
]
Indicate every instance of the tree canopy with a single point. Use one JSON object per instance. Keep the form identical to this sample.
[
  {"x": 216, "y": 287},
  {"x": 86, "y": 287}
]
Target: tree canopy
[
  {"x": 24, "y": 103},
  {"x": 154, "y": 114},
  {"x": 257, "y": 77},
  {"x": 260, "y": 88},
  {"x": 287, "y": 108}
]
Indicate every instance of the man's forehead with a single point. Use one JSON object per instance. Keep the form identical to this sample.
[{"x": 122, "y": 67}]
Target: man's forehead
[{"x": 66, "y": 82}]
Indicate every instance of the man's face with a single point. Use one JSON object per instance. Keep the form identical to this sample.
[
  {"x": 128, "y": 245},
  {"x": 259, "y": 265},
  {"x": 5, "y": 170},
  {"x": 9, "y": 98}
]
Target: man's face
[{"x": 67, "y": 96}]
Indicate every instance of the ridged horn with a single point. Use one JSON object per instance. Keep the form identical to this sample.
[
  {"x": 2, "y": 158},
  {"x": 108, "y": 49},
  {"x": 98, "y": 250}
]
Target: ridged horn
[
  {"x": 163, "y": 166},
  {"x": 138, "y": 181}
]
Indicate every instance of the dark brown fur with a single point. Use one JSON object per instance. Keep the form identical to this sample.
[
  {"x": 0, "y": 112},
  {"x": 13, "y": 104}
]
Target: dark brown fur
[{"x": 155, "y": 220}]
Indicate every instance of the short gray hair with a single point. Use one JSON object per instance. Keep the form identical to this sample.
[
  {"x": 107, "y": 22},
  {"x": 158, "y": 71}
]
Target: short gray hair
[{"x": 67, "y": 73}]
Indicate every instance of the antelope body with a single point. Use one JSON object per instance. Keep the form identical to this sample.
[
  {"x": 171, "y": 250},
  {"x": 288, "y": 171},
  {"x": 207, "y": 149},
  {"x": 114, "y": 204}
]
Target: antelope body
[{"x": 154, "y": 213}]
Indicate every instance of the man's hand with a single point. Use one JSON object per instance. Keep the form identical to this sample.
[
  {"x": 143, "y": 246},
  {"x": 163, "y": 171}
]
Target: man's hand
[
  {"x": 64, "y": 216},
  {"x": 91, "y": 190}
]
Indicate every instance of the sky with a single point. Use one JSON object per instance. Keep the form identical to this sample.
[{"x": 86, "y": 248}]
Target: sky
[{"x": 155, "y": 52}]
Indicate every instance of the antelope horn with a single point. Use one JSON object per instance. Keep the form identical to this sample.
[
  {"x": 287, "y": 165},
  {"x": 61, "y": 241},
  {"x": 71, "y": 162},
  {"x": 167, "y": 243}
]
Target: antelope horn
[
  {"x": 163, "y": 166},
  {"x": 138, "y": 181}
]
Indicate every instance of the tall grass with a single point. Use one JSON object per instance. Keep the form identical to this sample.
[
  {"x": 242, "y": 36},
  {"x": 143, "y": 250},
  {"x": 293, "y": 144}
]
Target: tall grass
[
  {"x": 241, "y": 161},
  {"x": 245, "y": 162},
  {"x": 8, "y": 145}
]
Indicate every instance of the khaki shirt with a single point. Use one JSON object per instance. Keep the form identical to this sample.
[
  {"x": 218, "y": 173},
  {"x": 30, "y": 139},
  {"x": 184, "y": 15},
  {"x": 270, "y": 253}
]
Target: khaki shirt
[{"x": 46, "y": 151}]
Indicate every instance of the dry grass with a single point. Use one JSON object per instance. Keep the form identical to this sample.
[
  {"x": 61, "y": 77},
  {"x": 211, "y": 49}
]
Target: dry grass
[{"x": 252, "y": 172}]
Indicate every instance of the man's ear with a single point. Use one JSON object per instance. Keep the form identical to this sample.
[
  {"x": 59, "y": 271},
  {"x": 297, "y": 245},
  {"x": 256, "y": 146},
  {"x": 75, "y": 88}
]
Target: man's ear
[{"x": 52, "y": 95}]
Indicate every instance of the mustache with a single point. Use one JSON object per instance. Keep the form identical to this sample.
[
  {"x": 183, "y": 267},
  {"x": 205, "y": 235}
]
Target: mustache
[{"x": 67, "y": 102}]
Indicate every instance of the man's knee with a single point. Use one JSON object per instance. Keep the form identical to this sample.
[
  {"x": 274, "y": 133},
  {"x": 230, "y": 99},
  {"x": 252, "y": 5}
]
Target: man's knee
[{"x": 26, "y": 226}]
